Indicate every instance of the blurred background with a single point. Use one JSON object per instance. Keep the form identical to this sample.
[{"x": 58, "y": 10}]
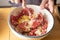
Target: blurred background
[{"x": 5, "y": 3}]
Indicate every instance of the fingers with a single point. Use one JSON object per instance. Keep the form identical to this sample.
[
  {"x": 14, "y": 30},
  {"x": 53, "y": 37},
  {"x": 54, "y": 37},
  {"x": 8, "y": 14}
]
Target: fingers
[
  {"x": 42, "y": 5},
  {"x": 23, "y": 3},
  {"x": 51, "y": 3},
  {"x": 16, "y": 1},
  {"x": 12, "y": 1},
  {"x": 47, "y": 4}
]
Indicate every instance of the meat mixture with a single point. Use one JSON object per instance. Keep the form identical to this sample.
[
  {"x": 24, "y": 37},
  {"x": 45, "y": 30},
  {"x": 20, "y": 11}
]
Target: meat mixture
[{"x": 29, "y": 24}]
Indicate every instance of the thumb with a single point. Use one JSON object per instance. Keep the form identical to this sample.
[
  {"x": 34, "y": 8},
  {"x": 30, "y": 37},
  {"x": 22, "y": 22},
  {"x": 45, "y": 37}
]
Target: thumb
[
  {"x": 42, "y": 5},
  {"x": 18, "y": 1}
]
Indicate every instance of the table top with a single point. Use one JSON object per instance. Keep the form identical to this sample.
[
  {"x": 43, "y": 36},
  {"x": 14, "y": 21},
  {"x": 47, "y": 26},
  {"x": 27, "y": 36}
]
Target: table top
[{"x": 6, "y": 34}]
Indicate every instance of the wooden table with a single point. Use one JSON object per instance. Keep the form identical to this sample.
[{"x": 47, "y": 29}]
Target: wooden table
[{"x": 6, "y": 34}]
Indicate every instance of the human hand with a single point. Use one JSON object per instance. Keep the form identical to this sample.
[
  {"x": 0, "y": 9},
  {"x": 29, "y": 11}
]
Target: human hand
[
  {"x": 16, "y": 1},
  {"x": 47, "y": 4}
]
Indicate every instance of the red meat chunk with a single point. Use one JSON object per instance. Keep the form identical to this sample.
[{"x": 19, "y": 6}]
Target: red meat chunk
[
  {"x": 44, "y": 31},
  {"x": 20, "y": 15},
  {"x": 25, "y": 11},
  {"x": 40, "y": 17},
  {"x": 35, "y": 24},
  {"x": 32, "y": 33},
  {"x": 22, "y": 26},
  {"x": 31, "y": 10},
  {"x": 45, "y": 25},
  {"x": 13, "y": 20}
]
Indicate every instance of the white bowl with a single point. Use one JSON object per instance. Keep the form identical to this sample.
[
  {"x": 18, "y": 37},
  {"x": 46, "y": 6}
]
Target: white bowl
[{"x": 36, "y": 9}]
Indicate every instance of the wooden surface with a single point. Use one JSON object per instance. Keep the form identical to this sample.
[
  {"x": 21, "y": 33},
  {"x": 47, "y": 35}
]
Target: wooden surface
[{"x": 6, "y": 34}]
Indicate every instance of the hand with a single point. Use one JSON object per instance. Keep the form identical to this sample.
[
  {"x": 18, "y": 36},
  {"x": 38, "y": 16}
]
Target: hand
[
  {"x": 47, "y": 4},
  {"x": 16, "y": 1}
]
